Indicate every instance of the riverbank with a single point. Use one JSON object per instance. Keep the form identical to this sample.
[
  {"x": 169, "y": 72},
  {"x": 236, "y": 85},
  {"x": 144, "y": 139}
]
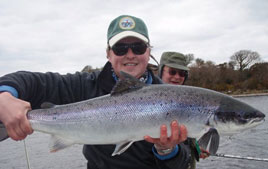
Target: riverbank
[
  {"x": 250, "y": 95},
  {"x": 247, "y": 93}
]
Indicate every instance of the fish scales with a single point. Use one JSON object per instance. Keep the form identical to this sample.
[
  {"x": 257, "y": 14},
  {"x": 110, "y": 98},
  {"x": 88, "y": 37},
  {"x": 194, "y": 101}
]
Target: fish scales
[
  {"x": 134, "y": 110},
  {"x": 111, "y": 117}
]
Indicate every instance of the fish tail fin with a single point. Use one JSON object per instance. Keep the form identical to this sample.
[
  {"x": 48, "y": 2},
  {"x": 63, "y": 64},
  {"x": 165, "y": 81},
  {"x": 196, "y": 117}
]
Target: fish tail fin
[
  {"x": 57, "y": 143},
  {"x": 210, "y": 139},
  {"x": 3, "y": 132}
]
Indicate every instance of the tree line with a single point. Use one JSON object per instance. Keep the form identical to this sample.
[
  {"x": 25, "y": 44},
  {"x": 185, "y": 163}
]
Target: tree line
[{"x": 244, "y": 72}]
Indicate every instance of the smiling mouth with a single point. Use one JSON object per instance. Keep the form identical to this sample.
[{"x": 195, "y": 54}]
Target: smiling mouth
[
  {"x": 130, "y": 64},
  {"x": 174, "y": 82}
]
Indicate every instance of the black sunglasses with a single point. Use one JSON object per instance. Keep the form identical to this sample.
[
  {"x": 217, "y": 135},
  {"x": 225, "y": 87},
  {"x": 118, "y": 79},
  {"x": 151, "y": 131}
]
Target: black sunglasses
[
  {"x": 137, "y": 48},
  {"x": 173, "y": 72}
]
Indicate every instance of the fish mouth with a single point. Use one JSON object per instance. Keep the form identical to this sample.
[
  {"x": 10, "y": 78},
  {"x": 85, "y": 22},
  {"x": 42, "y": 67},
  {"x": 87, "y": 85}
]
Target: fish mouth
[{"x": 257, "y": 120}]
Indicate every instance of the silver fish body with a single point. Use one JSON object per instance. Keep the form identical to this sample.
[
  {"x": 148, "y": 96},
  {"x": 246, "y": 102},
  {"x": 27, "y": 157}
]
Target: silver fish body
[{"x": 134, "y": 110}]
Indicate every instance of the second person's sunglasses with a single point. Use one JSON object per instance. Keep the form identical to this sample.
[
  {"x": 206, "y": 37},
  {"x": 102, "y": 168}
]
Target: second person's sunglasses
[
  {"x": 173, "y": 72},
  {"x": 138, "y": 48}
]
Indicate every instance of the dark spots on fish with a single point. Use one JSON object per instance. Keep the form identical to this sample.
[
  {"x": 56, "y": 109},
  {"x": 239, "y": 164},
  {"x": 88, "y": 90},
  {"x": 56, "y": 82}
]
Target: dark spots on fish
[
  {"x": 253, "y": 114},
  {"x": 167, "y": 114},
  {"x": 230, "y": 116},
  {"x": 141, "y": 98},
  {"x": 54, "y": 118}
]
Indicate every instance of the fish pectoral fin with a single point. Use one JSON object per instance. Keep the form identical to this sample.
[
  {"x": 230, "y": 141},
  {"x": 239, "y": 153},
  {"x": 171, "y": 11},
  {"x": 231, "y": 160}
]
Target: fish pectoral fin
[
  {"x": 210, "y": 139},
  {"x": 122, "y": 147},
  {"x": 57, "y": 143},
  {"x": 3, "y": 132}
]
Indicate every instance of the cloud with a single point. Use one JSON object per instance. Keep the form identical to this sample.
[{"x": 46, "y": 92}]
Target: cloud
[{"x": 65, "y": 35}]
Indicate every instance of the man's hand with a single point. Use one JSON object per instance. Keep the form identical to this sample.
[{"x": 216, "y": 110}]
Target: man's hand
[
  {"x": 13, "y": 115},
  {"x": 204, "y": 153},
  {"x": 178, "y": 135}
]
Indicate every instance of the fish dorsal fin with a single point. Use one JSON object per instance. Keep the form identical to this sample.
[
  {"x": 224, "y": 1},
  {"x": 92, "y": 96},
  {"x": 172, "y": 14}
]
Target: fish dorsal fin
[
  {"x": 47, "y": 105},
  {"x": 211, "y": 139},
  {"x": 122, "y": 147},
  {"x": 127, "y": 83}
]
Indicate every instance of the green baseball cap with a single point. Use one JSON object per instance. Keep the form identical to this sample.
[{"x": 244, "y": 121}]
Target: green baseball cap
[
  {"x": 126, "y": 26},
  {"x": 175, "y": 60}
]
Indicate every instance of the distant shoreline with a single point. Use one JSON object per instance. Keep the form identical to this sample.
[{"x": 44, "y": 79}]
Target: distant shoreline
[{"x": 249, "y": 95}]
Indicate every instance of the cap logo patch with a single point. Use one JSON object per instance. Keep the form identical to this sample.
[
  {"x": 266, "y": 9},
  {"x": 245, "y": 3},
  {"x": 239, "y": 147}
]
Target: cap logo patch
[{"x": 127, "y": 23}]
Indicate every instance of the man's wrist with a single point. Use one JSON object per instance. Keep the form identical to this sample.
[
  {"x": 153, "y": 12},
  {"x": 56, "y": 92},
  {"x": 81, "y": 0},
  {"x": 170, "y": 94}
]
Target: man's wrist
[
  {"x": 172, "y": 154},
  {"x": 9, "y": 89},
  {"x": 162, "y": 151}
]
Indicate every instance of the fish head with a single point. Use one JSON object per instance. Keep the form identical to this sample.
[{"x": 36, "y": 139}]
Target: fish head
[{"x": 234, "y": 116}]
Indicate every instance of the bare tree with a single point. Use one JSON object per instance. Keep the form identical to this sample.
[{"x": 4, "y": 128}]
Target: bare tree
[
  {"x": 87, "y": 68},
  {"x": 209, "y": 63},
  {"x": 199, "y": 62},
  {"x": 231, "y": 64},
  {"x": 189, "y": 58},
  {"x": 90, "y": 69},
  {"x": 245, "y": 58}
]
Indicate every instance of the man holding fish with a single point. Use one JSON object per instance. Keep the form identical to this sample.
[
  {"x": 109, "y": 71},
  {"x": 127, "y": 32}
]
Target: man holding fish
[{"x": 128, "y": 50}]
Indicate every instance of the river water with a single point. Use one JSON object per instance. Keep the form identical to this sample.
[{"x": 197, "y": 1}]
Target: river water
[{"x": 253, "y": 143}]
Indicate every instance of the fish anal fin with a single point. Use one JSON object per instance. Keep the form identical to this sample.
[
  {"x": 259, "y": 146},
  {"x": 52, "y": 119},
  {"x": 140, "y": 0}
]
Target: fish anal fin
[
  {"x": 126, "y": 83},
  {"x": 58, "y": 143},
  {"x": 210, "y": 140},
  {"x": 122, "y": 147},
  {"x": 47, "y": 105}
]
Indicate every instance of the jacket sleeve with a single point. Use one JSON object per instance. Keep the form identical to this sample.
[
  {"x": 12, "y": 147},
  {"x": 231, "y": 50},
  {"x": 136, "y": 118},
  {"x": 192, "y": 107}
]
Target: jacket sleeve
[
  {"x": 37, "y": 88},
  {"x": 180, "y": 161}
]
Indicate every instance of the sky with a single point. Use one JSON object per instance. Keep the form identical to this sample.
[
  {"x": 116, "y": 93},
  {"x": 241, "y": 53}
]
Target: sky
[{"x": 66, "y": 35}]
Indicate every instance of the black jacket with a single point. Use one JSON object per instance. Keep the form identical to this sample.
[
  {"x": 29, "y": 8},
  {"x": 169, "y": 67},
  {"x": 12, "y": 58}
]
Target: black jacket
[{"x": 62, "y": 89}]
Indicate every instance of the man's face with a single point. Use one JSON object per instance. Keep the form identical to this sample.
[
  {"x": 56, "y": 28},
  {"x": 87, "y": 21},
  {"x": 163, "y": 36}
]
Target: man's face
[
  {"x": 131, "y": 63},
  {"x": 173, "y": 76}
]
